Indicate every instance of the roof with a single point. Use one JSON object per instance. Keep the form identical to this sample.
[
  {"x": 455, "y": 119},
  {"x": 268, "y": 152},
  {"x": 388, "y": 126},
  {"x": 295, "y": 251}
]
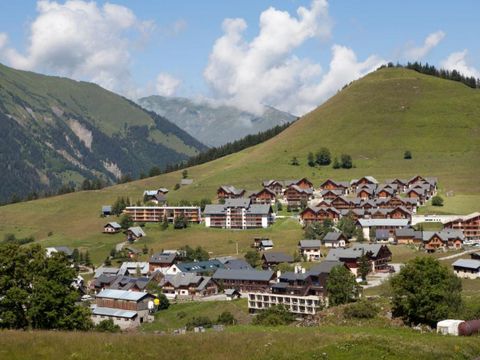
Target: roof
[
  {"x": 266, "y": 243},
  {"x": 467, "y": 263},
  {"x": 444, "y": 235},
  {"x": 63, "y": 249},
  {"x": 237, "y": 264},
  {"x": 325, "y": 267},
  {"x": 383, "y": 222},
  {"x": 332, "y": 236},
  {"x": 200, "y": 266},
  {"x": 238, "y": 202},
  {"x": 104, "y": 311},
  {"x": 122, "y": 295},
  {"x": 106, "y": 208},
  {"x": 277, "y": 257},
  {"x": 354, "y": 252},
  {"x": 106, "y": 270},
  {"x": 307, "y": 244},
  {"x": 259, "y": 209},
  {"x": 114, "y": 224},
  {"x": 133, "y": 265},
  {"x": 232, "y": 189},
  {"x": 185, "y": 279},
  {"x": 137, "y": 231},
  {"x": 162, "y": 258},
  {"x": 405, "y": 232},
  {"x": 249, "y": 275},
  {"x": 186, "y": 181},
  {"x": 212, "y": 209}
]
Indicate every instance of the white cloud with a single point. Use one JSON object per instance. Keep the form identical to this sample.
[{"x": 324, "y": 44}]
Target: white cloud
[
  {"x": 458, "y": 61},
  {"x": 83, "y": 40},
  {"x": 415, "y": 53},
  {"x": 166, "y": 85},
  {"x": 266, "y": 71},
  {"x": 3, "y": 40}
]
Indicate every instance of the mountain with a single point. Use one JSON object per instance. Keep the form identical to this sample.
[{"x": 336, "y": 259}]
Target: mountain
[
  {"x": 374, "y": 119},
  {"x": 57, "y": 130},
  {"x": 214, "y": 125}
]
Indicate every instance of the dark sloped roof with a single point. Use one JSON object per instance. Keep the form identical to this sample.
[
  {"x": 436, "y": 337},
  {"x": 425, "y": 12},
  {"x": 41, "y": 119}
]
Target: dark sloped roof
[
  {"x": 277, "y": 257},
  {"x": 324, "y": 267},
  {"x": 244, "y": 274}
]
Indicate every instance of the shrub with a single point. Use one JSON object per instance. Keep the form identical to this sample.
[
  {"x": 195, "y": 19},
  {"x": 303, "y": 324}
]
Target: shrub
[
  {"x": 294, "y": 161},
  {"x": 336, "y": 164},
  {"x": 407, "y": 155},
  {"x": 199, "y": 321},
  {"x": 437, "y": 200},
  {"x": 323, "y": 157},
  {"x": 226, "y": 318},
  {"x": 346, "y": 161},
  {"x": 176, "y": 187},
  {"x": 361, "y": 310},
  {"x": 107, "y": 326},
  {"x": 274, "y": 316}
]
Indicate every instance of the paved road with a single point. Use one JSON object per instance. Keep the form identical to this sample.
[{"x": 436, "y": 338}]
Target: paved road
[
  {"x": 466, "y": 252},
  {"x": 378, "y": 278}
]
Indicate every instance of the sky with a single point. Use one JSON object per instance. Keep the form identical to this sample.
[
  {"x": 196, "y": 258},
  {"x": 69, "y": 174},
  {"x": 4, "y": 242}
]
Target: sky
[{"x": 290, "y": 54}]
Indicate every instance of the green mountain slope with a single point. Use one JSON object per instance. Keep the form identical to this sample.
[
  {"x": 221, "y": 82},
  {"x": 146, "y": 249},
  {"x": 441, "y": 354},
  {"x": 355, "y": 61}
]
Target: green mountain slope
[
  {"x": 214, "y": 125},
  {"x": 58, "y": 130},
  {"x": 375, "y": 120}
]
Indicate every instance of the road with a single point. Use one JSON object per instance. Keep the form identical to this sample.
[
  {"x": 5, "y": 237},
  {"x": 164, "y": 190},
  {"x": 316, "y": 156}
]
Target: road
[
  {"x": 466, "y": 252},
  {"x": 378, "y": 278}
]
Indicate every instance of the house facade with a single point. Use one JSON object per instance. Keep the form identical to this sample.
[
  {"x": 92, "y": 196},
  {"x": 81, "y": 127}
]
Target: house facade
[
  {"x": 159, "y": 213},
  {"x": 238, "y": 214}
]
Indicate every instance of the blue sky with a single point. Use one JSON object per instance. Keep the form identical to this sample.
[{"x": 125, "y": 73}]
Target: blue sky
[{"x": 140, "y": 48}]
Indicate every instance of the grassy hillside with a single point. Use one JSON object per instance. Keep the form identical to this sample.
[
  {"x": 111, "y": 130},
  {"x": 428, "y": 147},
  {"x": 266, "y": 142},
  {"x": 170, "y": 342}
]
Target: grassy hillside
[
  {"x": 247, "y": 342},
  {"x": 375, "y": 119},
  {"x": 57, "y": 130}
]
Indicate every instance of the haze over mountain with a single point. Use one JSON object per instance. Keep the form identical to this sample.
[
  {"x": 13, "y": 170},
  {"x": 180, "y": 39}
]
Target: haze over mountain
[
  {"x": 214, "y": 125},
  {"x": 56, "y": 130}
]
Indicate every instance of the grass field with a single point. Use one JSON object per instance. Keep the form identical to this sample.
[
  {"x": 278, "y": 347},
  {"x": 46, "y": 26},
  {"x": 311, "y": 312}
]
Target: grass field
[
  {"x": 243, "y": 342},
  {"x": 381, "y": 115}
]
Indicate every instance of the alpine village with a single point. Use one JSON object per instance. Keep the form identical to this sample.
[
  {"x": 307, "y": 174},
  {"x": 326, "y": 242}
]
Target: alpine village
[{"x": 220, "y": 227}]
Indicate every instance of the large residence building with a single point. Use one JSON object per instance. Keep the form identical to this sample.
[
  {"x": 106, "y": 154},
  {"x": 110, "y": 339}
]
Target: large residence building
[
  {"x": 238, "y": 214},
  {"x": 469, "y": 224},
  {"x": 158, "y": 213}
]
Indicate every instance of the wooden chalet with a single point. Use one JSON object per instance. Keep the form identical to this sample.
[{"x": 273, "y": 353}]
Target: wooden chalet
[
  {"x": 244, "y": 280},
  {"x": 188, "y": 285},
  {"x": 318, "y": 214},
  {"x": 264, "y": 196},
  {"x": 112, "y": 228},
  {"x": 408, "y": 236},
  {"x": 303, "y": 183},
  {"x": 331, "y": 194},
  {"x": 275, "y": 186},
  {"x": 341, "y": 202},
  {"x": 445, "y": 239},
  {"x": 229, "y": 192},
  {"x": 366, "y": 180},
  {"x": 272, "y": 259},
  {"x": 296, "y": 195},
  {"x": 330, "y": 184}
]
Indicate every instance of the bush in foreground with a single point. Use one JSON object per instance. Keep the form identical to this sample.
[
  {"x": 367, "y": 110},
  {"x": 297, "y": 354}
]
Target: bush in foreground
[
  {"x": 361, "y": 310},
  {"x": 107, "y": 326},
  {"x": 199, "y": 321},
  {"x": 226, "y": 318},
  {"x": 274, "y": 316}
]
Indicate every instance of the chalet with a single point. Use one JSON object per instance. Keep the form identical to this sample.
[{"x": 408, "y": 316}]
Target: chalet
[
  {"x": 275, "y": 186},
  {"x": 407, "y": 235},
  {"x": 330, "y": 194},
  {"x": 161, "y": 261},
  {"x": 387, "y": 224},
  {"x": 129, "y": 283},
  {"x": 134, "y": 233},
  {"x": 272, "y": 259},
  {"x": 444, "y": 239},
  {"x": 238, "y": 214},
  {"x": 232, "y": 294},
  {"x": 401, "y": 184},
  {"x": 159, "y": 213},
  {"x": 197, "y": 267},
  {"x": 106, "y": 210},
  {"x": 244, "y": 280},
  {"x": 379, "y": 255},
  {"x": 414, "y": 179},
  {"x": 127, "y": 309},
  {"x": 105, "y": 270},
  {"x": 366, "y": 180},
  {"x": 188, "y": 285},
  {"x": 385, "y": 192},
  {"x": 469, "y": 225},
  {"x": 153, "y": 195},
  {"x": 353, "y": 213},
  {"x": 309, "y": 215},
  {"x": 264, "y": 196},
  {"x": 303, "y": 183},
  {"x": 133, "y": 268},
  {"x": 334, "y": 239},
  {"x": 237, "y": 264},
  {"x": 467, "y": 268},
  {"x": 112, "y": 228},
  {"x": 262, "y": 244},
  {"x": 310, "y": 249},
  {"x": 341, "y": 202},
  {"x": 365, "y": 192},
  {"x": 419, "y": 194},
  {"x": 400, "y": 212},
  {"x": 229, "y": 192},
  {"x": 296, "y": 196},
  {"x": 330, "y": 184}
]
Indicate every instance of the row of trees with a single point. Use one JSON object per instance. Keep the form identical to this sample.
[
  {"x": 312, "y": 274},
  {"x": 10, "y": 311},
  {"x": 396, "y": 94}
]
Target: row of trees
[
  {"x": 427, "y": 69},
  {"x": 324, "y": 158}
]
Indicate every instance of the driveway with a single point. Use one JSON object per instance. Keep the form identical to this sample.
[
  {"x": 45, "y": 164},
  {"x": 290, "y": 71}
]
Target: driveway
[
  {"x": 466, "y": 252},
  {"x": 378, "y": 278}
]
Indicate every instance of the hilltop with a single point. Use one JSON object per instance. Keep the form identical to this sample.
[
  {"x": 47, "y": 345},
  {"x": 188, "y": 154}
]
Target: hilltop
[
  {"x": 56, "y": 130},
  {"x": 374, "y": 119},
  {"x": 212, "y": 124}
]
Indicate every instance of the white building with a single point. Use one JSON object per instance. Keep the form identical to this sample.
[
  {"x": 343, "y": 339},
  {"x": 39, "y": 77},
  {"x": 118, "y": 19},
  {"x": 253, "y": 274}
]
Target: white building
[
  {"x": 467, "y": 268},
  {"x": 448, "y": 327},
  {"x": 301, "y": 305}
]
